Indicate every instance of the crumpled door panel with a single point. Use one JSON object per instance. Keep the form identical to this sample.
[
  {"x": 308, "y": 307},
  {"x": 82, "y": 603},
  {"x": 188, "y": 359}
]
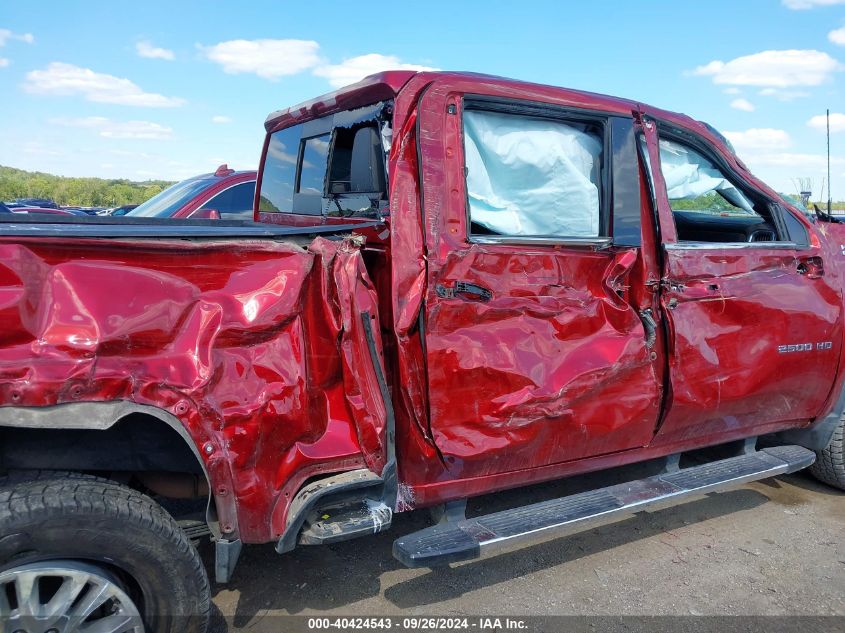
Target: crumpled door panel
[
  {"x": 732, "y": 315},
  {"x": 553, "y": 367}
]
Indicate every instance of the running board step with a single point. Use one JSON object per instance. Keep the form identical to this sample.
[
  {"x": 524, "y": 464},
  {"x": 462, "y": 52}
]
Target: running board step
[{"x": 473, "y": 538}]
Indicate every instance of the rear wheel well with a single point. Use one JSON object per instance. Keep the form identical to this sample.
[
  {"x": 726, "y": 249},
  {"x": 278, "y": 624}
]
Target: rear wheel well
[{"x": 139, "y": 450}]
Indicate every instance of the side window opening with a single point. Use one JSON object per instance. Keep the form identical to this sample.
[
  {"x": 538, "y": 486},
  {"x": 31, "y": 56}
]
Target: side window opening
[
  {"x": 357, "y": 183},
  {"x": 357, "y": 164},
  {"x": 533, "y": 176},
  {"x": 707, "y": 205}
]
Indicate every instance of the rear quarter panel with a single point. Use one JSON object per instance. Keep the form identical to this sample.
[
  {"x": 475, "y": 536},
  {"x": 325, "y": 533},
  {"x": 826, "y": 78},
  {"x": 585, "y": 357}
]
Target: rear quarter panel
[{"x": 254, "y": 345}]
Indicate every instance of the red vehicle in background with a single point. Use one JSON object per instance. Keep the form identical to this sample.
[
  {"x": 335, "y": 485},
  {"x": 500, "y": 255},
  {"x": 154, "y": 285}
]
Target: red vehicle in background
[
  {"x": 225, "y": 194},
  {"x": 454, "y": 284},
  {"x": 23, "y": 209}
]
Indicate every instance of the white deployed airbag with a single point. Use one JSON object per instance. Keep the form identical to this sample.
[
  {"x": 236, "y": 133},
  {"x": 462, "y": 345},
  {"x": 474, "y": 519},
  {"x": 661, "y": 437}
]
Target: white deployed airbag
[
  {"x": 531, "y": 176},
  {"x": 689, "y": 175}
]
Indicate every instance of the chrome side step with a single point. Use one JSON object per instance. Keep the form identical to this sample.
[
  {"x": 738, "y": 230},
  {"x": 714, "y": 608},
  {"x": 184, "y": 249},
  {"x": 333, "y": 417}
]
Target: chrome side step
[{"x": 465, "y": 540}]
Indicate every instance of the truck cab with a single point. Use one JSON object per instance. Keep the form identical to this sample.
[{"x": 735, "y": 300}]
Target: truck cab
[{"x": 597, "y": 250}]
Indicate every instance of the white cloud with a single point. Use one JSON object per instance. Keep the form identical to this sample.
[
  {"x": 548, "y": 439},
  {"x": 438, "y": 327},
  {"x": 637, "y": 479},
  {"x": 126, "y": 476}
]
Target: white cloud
[
  {"x": 784, "y": 95},
  {"x": 269, "y": 59},
  {"x": 356, "y": 68},
  {"x": 773, "y": 69},
  {"x": 145, "y": 48},
  {"x": 66, "y": 79},
  {"x": 757, "y": 139},
  {"x": 219, "y": 118},
  {"x": 780, "y": 169},
  {"x": 108, "y": 128},
  {"x": 809, "y": 4},
  {"x": 837, "y": 36},
  {"x": 837, "y": 122},
  {"x": 6, "y": 35},
  {"x": 797, "y": 161},
  {"x": 742, "y": 104}
]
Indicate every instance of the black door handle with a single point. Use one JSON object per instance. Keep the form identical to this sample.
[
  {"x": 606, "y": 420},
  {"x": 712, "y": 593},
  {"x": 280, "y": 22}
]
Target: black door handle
[{"x": 463, "y": 288}]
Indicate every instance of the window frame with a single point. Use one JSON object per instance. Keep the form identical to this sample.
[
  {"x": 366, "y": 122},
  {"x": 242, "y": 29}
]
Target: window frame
[
  {"x": 562, "y": 114},
  {"x": 677, "y": 134}
]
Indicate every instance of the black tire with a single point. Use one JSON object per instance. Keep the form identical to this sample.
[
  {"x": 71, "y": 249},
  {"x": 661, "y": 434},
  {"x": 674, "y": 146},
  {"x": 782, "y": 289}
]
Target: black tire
[
  {"x": 58, "y": 515},
  {"x": 830, "y": 462}
]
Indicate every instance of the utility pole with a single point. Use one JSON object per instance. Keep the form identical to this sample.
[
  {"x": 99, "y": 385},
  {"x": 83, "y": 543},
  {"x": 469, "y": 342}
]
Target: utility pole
[{"x": 829, "y": 194}]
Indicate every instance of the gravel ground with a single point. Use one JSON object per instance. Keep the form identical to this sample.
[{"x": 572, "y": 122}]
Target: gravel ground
[{"x": 775, "y": 547}]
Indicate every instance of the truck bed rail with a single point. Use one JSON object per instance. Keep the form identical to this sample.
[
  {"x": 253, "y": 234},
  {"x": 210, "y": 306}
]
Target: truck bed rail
[{"x": 34, "y": 225}]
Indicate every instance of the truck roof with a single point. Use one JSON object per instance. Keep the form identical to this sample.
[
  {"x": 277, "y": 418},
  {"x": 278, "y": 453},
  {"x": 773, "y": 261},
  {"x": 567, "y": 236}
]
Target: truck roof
[{"x": 388, "y": 84}]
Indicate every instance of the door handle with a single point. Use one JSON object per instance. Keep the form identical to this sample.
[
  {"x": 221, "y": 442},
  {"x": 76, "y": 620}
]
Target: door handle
[
  {"x": 810, "y": 267},
  {"x": 463, "y": 288}
]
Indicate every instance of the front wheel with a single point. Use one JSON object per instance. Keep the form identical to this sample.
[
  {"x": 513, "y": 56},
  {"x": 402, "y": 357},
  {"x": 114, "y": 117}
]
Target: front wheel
[
  {"x": 830, "y": 462},
  {"x": 79, "y": 553}
]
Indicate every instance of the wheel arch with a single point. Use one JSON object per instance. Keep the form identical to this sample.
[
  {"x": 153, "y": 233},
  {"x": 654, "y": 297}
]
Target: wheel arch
[{"x": 74, "y": 422}]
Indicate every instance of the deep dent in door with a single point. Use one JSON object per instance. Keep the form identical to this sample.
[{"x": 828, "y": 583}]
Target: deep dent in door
[{"x": 525, "y": 379}]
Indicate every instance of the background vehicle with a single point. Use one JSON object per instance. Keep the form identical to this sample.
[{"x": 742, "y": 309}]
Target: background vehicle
[
  {"x": 83, "y": 210},
  {"x": 457, "y": 284},
  {"x": 17, "y": 208},
  {"x": 42, "y": 203},
  {"x": 119, "y": 211},
  {"x": 227, "y": 192}
]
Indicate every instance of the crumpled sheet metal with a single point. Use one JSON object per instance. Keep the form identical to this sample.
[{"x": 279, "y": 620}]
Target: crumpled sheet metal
[
  {"x": 255, "y": 346},
  {"x": 522, "y": 380},
  {"x": 729, "y": 320},
  {"x": 414, "y": 444},
  {"x": 551, "y": 350}
]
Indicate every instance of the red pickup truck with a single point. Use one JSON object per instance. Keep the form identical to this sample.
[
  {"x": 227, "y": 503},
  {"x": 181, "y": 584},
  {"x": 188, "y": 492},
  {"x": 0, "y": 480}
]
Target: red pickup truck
[{"x": 453, "y": 284}]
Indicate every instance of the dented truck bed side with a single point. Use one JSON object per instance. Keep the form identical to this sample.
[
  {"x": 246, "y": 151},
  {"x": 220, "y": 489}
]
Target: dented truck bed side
[{"x": 255, "y": 346}]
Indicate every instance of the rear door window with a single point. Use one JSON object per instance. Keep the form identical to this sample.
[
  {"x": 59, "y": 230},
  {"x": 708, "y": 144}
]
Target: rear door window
[{"x": 533, "y": 176}]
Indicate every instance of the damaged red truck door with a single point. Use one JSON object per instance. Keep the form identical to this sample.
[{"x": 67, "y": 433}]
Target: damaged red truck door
[
  {"x": 546, "y": 326},
  {"x": 754, "y": 320}
]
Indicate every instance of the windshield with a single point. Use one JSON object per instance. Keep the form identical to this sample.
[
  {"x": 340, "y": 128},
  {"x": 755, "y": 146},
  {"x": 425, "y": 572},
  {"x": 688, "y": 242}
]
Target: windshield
[{"x": 171, "y": 199}]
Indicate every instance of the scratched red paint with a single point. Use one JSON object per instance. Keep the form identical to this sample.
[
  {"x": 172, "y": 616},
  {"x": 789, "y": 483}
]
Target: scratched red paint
[{"x": 553, "y": 376}]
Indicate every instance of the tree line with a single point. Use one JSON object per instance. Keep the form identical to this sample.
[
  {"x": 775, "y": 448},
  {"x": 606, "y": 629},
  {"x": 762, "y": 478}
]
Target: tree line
[{"x": 84, "y": 192}]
